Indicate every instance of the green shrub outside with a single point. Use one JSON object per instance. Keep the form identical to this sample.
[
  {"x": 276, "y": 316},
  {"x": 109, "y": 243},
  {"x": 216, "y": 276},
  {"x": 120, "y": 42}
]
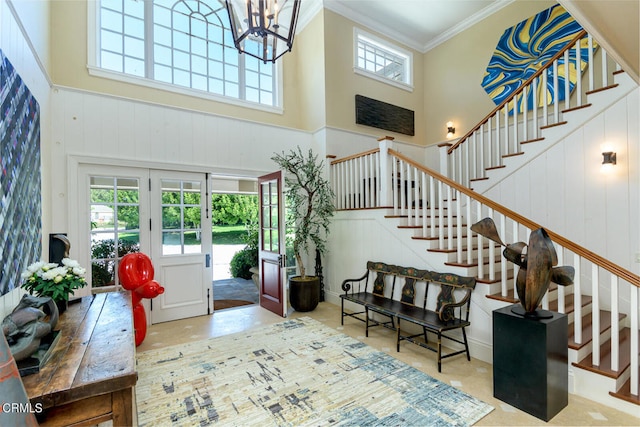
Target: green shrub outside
[{"x": 247, "y": 257}]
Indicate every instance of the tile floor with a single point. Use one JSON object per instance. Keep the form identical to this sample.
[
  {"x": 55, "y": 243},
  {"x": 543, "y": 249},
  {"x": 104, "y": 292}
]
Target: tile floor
[{"x": 473, "y": 377}]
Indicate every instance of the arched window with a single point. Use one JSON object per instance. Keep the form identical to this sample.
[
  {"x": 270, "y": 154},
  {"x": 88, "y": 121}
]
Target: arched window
[{"x": 185, "y": 43}]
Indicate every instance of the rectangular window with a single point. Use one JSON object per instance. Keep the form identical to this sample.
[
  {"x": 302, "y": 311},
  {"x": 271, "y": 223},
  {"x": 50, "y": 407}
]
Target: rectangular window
[{"x": 382, "y": 60}]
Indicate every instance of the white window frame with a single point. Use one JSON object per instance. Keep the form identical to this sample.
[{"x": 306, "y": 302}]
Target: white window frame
[
  {"x": 407, "y": 79},
  {"x": 95, "y": 70}
]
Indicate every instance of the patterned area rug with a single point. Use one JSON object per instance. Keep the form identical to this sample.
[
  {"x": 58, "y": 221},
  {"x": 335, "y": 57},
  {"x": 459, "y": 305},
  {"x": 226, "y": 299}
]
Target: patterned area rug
[{"x": 298, "y": 372}]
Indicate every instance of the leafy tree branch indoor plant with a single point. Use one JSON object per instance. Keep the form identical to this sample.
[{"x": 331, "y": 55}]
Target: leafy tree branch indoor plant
[{"x": 310, "y": 206}]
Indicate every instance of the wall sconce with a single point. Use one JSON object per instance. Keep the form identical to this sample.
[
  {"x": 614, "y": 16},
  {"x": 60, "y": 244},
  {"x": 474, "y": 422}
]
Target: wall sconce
[
  {"x": 451, "y": 131},
  {"x": 608, "y": 160}
]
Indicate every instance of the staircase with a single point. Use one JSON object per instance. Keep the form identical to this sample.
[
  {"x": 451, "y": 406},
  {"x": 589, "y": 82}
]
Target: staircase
[{"x": 434, "y": 211}]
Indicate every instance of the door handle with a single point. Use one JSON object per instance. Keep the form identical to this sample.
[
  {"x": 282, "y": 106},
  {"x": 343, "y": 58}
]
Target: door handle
[
  {"x": 207, "y": 260},
  {"x": 282, "y": 258}
]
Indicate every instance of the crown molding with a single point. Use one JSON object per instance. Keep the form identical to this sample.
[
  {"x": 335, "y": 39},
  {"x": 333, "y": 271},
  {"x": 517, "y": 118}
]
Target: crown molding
[
  {"x": 376, "y": 26},
  {"x": 466, "y": 24}
]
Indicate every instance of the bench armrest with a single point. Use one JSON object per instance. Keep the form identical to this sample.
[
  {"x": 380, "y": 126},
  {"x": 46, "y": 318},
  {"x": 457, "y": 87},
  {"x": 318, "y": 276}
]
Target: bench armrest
[
  {"x": 447, "y": 310},
  {"x": 346, "y": 284}
]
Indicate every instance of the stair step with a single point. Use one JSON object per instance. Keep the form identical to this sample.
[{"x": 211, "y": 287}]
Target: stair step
[
  {"x": 587, "y": 328},
  {"x": 474, "y": 263},
  {"x": 495, "y": 167},
  {"x": 532, "y": 140},
  {"x": 564, "y": 122},
  {"x": 510, "y": 298},
  {"x": 579, "y": 107},
  {"x": 485, "y": 280},
  {"x": 428, "y": 226},
  {"x": 520, "y": 153},
  {"x": 605, "y": 357},
  {"x": 602, "y": 89},
  {"x": 624, "y": 393}
]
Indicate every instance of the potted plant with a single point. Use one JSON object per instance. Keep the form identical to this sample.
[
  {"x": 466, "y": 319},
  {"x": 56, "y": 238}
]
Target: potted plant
[
  {"x": 310, "y": 206},
  {"x": 54, "y": 281}
]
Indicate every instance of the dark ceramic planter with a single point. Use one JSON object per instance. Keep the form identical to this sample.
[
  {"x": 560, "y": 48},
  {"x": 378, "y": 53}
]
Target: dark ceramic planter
[{"x": 304, "y": 295}]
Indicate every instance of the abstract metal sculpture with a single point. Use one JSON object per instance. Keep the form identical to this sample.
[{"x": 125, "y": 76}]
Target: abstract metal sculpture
[
  {"x": 537, "y": 267},
  {"x": 24, "y": 327}
]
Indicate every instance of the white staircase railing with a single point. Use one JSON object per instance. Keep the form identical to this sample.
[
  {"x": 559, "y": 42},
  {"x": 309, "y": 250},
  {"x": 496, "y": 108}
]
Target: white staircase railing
[
  {"x": 443, "y": 210},
  {"x": 512, "y": 124}
]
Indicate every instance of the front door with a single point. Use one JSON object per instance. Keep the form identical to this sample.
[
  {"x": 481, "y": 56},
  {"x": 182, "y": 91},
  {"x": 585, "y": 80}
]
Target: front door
[
  {"x": 271, "y": 244},
  {"x": 181, "y": 244}
]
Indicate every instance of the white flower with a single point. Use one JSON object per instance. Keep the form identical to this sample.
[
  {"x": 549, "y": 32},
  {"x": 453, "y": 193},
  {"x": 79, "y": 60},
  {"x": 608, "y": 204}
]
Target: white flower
[
  {"x": 34, "y": 267},
  {"x": 79, "y": 271},
  {"x": 52, "y": 273},
  {"x": 71, "y": 263}
]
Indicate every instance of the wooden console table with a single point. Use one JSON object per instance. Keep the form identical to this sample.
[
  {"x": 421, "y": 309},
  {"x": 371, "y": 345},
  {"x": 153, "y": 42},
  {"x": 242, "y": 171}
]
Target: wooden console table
[{"x": 90, "y": 375}]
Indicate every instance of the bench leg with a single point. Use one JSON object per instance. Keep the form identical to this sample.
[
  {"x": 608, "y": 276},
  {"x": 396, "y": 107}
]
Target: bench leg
[
  {"x": 424, "y": 330},
  {"x": 366, "y": 315},
  {"x": 466, "y": 345},
  {"x": 398, "y": 336},
  {"x": 342, "y": 316},
  {"x": 439, "y": 352}
]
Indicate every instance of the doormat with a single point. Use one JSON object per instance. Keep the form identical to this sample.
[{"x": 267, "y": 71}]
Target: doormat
[
  {"x": 221, "y": 304},
  {"x": 298, "y": 372}
]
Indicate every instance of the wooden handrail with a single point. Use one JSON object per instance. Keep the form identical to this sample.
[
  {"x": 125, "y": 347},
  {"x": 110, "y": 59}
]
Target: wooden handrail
[
  {"x": 611, "y": 267},
  {"x": 355, "y": 156},
  {"x": 568, "y": 46}
]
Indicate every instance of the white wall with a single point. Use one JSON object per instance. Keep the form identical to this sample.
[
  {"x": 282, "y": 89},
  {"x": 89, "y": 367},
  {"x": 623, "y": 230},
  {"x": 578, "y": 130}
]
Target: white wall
[
  {"x": 18, "y": 48},
  {"x": 90, "y": 128},
  {"x": 565, "y": 190}
]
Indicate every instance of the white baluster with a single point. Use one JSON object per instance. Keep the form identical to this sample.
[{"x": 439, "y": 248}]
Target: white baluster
[
  {"x": 525, "y": 114},
  {"x": 567, "y": 80},
  {"x": 394, "y": 187},
  {"x": 480, "y": 244},
  {"x": 556, "y": 103},
  {"x": 591, "y": 63},
  {"x": 615, "y": 331},
  {"x": 492, "y": 252},
  {"x": 506, "y": 129},
  {"x": 534, "y": 111},
  {"x": 424, "y": 204},
  {"x": 605, "y": 72},
  {"x": 503, "y": 262},
  {"x": 432, "y": 206},
  {"x": 635, "y": 309},
  {"x": 449, "y": 218},
  {"x": 578, "y": 88},
  {"x": 469, "y": 234},
  {"x": 561, "y": 289},
  {"x": 577, "y": 298},
  {"x": 442, "y": 228},
  {"x": 459, "y": 220},
  {"x": 595, "y": 316},
  {"x": 516, "y": 142},
  {"x": 545, "y": 99}
]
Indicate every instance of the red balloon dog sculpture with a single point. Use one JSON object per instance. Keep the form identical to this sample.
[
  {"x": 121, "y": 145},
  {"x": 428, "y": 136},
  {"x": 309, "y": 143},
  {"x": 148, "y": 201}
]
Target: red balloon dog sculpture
[{"x": 136, "y": 275}]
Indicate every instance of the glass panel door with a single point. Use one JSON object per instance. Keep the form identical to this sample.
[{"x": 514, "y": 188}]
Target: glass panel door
[{"x": 115, "y": 226}]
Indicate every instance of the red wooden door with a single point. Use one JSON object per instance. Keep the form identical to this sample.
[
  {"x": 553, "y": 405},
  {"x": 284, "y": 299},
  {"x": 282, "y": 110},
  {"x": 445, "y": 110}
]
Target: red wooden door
[{"x": 271, "y": 248}]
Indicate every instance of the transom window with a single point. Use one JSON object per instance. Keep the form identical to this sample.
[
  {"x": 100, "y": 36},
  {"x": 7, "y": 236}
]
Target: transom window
[
  {"x": 382, "y": 60},
  {"x": 185, "y": 43}
]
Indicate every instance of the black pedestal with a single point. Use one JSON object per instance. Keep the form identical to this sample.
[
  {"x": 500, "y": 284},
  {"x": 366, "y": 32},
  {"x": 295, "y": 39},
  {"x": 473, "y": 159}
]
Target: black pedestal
[{"x": 530, "y": 370}]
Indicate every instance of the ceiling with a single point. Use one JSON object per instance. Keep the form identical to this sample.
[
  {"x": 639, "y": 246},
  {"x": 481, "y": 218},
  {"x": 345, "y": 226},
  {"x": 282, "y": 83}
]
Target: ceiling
[{"x": 419, "y": 24}]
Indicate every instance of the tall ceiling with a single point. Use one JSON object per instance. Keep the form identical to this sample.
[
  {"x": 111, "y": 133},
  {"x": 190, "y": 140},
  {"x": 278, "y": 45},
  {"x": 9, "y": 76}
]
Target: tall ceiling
[{"x": 419, "y": 24}]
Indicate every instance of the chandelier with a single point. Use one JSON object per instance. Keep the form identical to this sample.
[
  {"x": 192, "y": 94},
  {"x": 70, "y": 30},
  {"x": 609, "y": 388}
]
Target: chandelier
[{"x": 263, "y": 29}]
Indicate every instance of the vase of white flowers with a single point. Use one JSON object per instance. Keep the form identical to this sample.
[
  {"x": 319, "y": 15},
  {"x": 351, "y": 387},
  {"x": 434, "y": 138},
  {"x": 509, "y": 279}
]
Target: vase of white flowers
[{"x": 54, "y": 280}]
